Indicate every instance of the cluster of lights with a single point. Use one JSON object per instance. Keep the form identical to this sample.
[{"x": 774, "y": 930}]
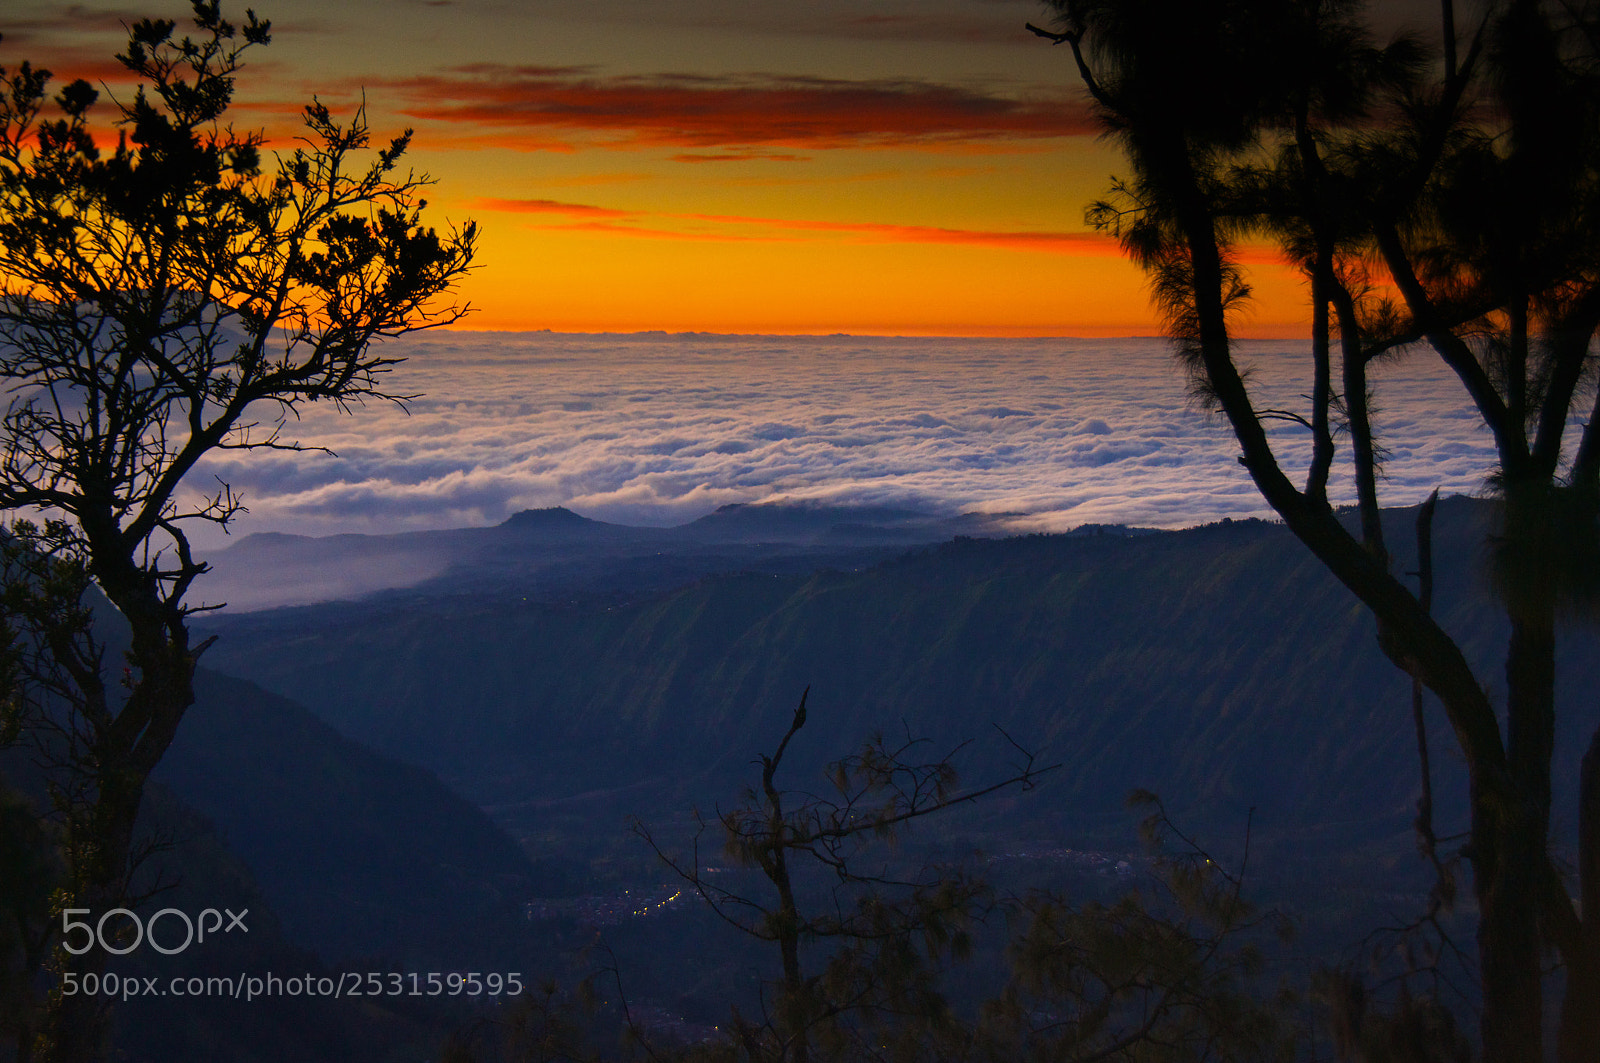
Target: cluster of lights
[{"x": 647, "y": 909}]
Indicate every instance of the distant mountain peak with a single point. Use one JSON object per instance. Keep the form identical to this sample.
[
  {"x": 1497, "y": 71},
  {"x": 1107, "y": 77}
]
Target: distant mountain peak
[
  {"x": 267, "y": 538},
  {"x": 554, "y": 517}
]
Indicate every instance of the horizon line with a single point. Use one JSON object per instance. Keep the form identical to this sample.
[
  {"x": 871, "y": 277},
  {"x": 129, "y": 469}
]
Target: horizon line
[{"x": 700, "y": 333}]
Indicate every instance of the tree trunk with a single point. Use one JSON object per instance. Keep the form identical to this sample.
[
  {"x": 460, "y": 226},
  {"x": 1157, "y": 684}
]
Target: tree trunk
[
  {"x": 78, "y": 1027},
  {"x": 1507, "y": 861},
  {"x": 1579, "y": 1037},
  {"x": 1509, "y": 818},
  {"x": 1508, "y": 832},
  {"x": 1509, "y": 938},
  {"x": 101, "y": 836}
]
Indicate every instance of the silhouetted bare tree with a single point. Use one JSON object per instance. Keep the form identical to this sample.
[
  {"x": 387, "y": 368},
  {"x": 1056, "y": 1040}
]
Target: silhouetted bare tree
[
  {"x": 170, "y": 297},
  {"x": 881, "y": 933},
  {"x": 1167, "y": 968}
]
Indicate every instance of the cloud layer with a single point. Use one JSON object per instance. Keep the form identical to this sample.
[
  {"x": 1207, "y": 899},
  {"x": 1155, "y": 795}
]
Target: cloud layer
[
  {"x": 528, "y": 105},
  {"x": 662, "y": 429}
]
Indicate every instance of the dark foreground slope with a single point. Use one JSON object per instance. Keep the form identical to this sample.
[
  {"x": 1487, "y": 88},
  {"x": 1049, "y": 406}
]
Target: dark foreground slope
[
  {"x": 1219, "y": 666},
  {"x": 361, "y": 856},
  {"x": 340, "y": 861},
  {"x": 199, "y": 871},
  {"x": 347, "y": 861}
]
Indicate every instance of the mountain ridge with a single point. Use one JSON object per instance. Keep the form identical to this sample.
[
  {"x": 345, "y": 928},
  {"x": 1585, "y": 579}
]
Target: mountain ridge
[
  {"x": 1221, "y": 665},
  {"x": 551, "y": 551}
]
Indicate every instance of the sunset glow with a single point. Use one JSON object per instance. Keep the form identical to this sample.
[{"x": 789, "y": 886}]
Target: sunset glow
[{"x": 889, "y": 168}]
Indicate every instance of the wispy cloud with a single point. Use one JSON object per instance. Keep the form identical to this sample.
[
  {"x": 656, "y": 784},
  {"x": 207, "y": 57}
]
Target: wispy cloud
[
  {"x": 709, "y": 112},
  {"x": 549, "y": 206},
  {"x": 70, "y": 62},
  {"x": 923, "y": 21},
  {"x": 737, "y": 156},
  {"x": 735, "y": 227},
  {"x": 73, "y": 18}
]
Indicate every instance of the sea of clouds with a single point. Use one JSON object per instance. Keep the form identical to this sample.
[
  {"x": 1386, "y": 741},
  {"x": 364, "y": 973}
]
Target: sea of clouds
[{"x": 661, "y": 429}]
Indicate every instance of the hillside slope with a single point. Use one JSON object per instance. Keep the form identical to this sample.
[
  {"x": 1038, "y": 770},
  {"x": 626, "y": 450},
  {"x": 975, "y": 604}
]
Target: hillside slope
[
  {"x": 1220, "y": 666},
  {"x": 361, "y": 856}
]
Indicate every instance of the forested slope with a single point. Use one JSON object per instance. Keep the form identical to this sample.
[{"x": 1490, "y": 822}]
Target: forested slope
[
  {"x": 360, "y": 856},
  {"x": 1220, "y": 666}
]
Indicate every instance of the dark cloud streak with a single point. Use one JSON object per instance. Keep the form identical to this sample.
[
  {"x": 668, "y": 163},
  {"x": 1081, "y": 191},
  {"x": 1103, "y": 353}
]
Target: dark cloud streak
[
  {"x": 549, "y": 206},
  {"x": 757, "y": 110},
  {"x": 622, "y": 222}
]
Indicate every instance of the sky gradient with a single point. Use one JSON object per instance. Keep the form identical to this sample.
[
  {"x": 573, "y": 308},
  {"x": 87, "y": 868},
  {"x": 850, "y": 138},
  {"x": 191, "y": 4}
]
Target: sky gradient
[{"x": 914, "y": 167}]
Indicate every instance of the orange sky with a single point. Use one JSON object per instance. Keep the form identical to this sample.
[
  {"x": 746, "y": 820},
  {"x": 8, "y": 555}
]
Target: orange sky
[{"x": 864, "y": 166}]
